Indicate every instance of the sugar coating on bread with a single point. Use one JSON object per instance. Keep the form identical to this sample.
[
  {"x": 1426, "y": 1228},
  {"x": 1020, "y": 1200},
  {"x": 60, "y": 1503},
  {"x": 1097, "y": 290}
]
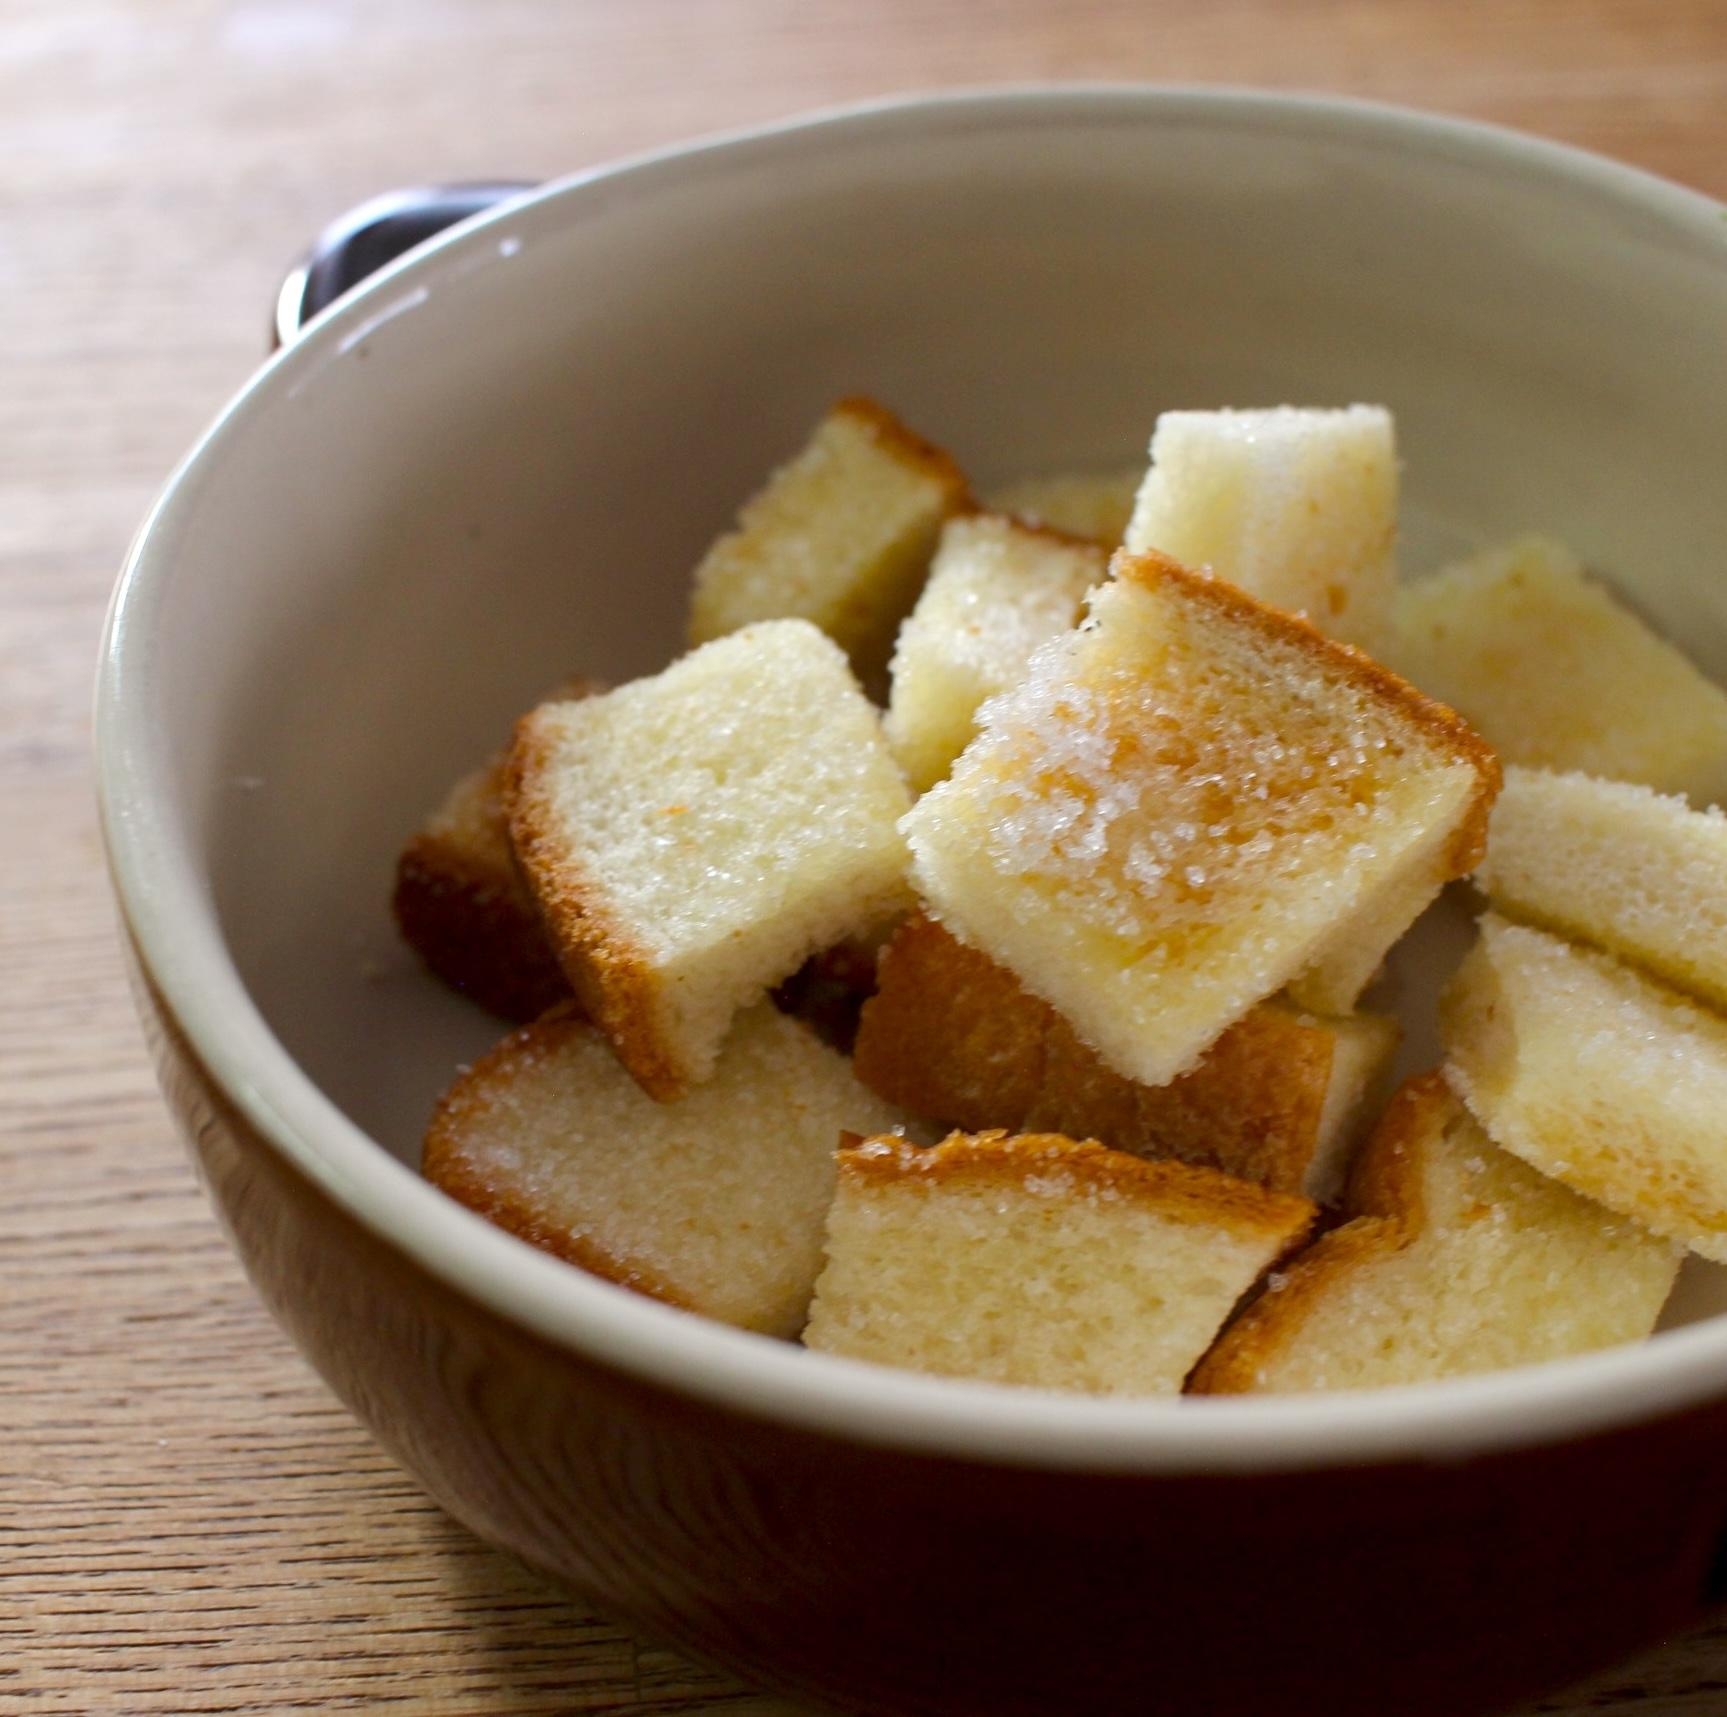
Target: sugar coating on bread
[
  {"x": 953, "y": 1036},
  {"x": 1093, "y": 504},
  {"x": 693, "y": 837},
  {"x": 1633, "y": 871},
  {"x": 997, "y": 589},
  {"x": 1458, "y": 1259},
  {"x": 1558, "y": 674},
  {"x": 1183, "y": 806},
  {"x": 840, "y": 536},
  {"x": 715, "y": 1203},
  {"x": 1601, "y": 1077},
  {"x": 1038, "y": 1261},
  {"x": 1297, "y": 506}
]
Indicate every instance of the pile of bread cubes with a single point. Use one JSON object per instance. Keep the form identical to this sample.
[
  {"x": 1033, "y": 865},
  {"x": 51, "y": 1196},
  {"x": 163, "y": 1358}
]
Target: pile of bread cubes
[{"x": 955, "y": 960}]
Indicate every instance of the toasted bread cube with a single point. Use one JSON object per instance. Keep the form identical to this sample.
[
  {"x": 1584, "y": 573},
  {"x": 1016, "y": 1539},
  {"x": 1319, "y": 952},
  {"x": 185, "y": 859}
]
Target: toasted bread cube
[
  {"x": 1558, "y": 674},
  {"x": 1348, "y": 960},
  {"x": 1279, "y": 1099},
  {"x": 1184, "y": 806},
  {"x": 1458, "y": 1259},
  {"x": 462, "y": 906},
  {"x": 691, "y": 838},
  {"x": 841, "y": 536},
  {"x": 956, "y": 1033},
  {"x": 1295, "y": 506},
  {"x": 1596, "y": 1075},
  {"x": 1038, "y": 1261},
  {"x": 1092, "y": 504},
  {"x": 1641, "y": 875},
  {"x": 715, "y": 1203},
  {"x": 952, "y": 1036},
  {"x": 997, "y": 589}
]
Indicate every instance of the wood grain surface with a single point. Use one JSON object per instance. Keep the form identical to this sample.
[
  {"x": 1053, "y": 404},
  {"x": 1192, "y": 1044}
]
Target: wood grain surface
[{"x": 188, "y": 1522}]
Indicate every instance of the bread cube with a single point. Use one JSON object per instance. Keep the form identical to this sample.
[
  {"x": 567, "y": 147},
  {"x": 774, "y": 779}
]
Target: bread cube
[
  {"x": 1458, "y": 1259},
  {"x": 1558, "y": 674},
  {"x": 1185, "y": 806},
  {"x": 997, "y": 589},
  {"x": 1639, "y": 874},
  {"x": 1596, "y": 1075},
  {"x": 462, "y": 906},
  {"x": 1038, "y": 1261},
  {"x": 1092, "y": 504},
  {"x": 954, "y": 1037},
  {"x": 715, "y": 1203},
  {"x": 1295, "y": 506},
  {"x": 692, "y": 837},
  {"x": 841, "y": 536}
]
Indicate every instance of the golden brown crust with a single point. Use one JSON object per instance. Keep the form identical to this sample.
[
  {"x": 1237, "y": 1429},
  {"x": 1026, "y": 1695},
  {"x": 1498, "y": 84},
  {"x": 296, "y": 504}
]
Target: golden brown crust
[
  {"x": 460, "y": 901},
  {"x": 1105, "y": 546},
  {"x": 1261, "y": 1332},
  {"x": 1387, "y": 1215},
  {"x": 1386, "y": 1179},
  {"x": 954, "y": 1036},
  {"x": 1178, "y": 1191},
  {"x": 611, "y": 974},
  {"x": 1442, "y": 725},
  {"x": 909, "y": 447},
  {"x": 1031, "y": 526},
  {"x": 1252, "y": 1107},
  {"x": 449, "y": 1163},
  {"x": 476, "y": 929},
  {"x": 949, "y": 1033}
]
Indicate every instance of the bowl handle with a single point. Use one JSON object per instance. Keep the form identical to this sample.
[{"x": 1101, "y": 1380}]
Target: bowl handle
[{"x": 365, "y": 238}]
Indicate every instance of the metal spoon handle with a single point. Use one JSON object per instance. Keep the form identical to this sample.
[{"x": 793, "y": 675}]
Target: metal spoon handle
[{"x": 365, "y": 238}]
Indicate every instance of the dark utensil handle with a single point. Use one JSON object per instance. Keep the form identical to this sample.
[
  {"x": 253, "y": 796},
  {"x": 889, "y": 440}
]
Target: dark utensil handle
[{"x": 377, "y": 232}]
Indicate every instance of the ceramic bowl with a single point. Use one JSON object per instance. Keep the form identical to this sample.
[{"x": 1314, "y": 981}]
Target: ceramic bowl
[{"x": 493, "y": 467}]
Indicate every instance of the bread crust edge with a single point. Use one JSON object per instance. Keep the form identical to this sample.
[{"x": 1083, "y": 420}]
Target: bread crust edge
[
  {"x": 1180, "y": 1191},
  {"x": 450, "y": 1166},
  {"x": 475, "y": 930},
  {"x": 612, "y": 975},
  {"x": 1387, "y": 1215}
]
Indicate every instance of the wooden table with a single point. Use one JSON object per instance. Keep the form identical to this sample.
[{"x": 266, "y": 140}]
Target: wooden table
[{"x": 188, "y": 1522}]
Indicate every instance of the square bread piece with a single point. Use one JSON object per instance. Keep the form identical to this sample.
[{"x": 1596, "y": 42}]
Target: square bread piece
[
  {"x": 1038, "y": 1261},
  {"x": 1191, "y": 801},
  {"x": 715, "y": 1204},
  {"x": 1596, "y": 1075},
  {"x": 693, "y": 837},
  {"x": 460, "y": 902},
  {"x": 997, "y": 589},
  {"x": 841, "y": 536},
  {"x": 1559, "y": 674},
  {"x": 1277, "y": 1100},
  {"x": 1459, "y": 1259},
  {"x": 1093, "y": 504},
  {"x": 1295, "y": 506},
  {"x": 462, "y": 906},
  {"x": 1641, "y": 875}
]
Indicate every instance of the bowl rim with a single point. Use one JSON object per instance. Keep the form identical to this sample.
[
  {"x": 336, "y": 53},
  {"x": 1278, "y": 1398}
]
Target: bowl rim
[{"x": 171, "y": 920}]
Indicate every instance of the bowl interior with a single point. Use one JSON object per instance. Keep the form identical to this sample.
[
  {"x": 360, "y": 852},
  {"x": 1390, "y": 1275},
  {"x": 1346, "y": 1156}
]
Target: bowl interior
[{"x": 497, "y": 467}]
